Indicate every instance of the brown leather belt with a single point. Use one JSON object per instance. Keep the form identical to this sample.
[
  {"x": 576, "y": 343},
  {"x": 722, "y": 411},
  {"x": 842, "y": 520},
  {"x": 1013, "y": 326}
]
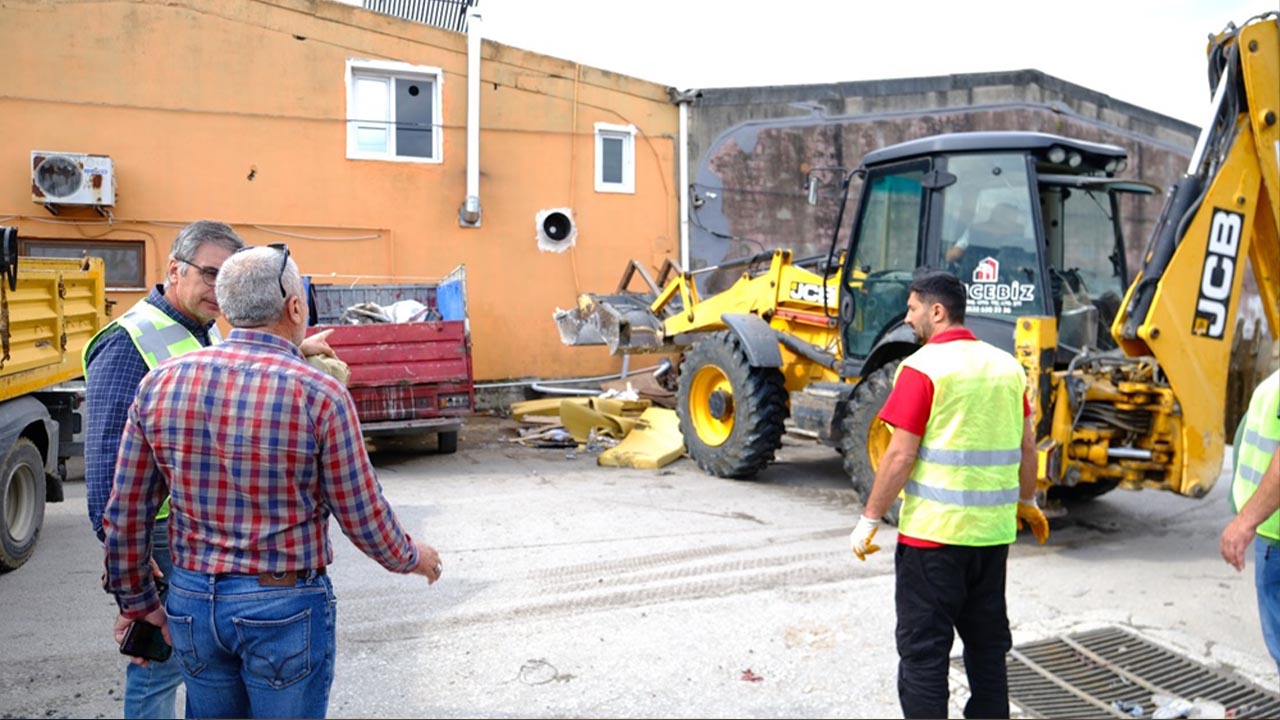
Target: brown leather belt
[{"x": 288, "y": 578}]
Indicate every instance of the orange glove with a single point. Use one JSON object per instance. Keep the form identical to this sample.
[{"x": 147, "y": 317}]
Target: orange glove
[
  {"x": 860, "y": 538},
  {"x": 1029, "y": 513}
]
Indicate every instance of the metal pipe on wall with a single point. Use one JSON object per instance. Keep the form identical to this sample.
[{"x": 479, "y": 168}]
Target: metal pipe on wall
[
  {"x": 682, "y": 99},
  {"x": 684, "y": 185},
  {"x": 469, "y": 213}
]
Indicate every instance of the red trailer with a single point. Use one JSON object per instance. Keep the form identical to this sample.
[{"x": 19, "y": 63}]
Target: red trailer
[{"x": 407, "y": 378}]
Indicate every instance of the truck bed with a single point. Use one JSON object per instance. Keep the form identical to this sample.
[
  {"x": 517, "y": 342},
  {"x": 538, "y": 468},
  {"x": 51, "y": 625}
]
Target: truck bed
[
  {"x": 406, "y": 371},
  {"x": 47, "y": 320},
  {"x": 406, "y": 378}
]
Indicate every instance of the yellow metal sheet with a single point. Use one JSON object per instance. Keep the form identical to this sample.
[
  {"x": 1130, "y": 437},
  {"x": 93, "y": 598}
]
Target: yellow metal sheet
[
  {"x": 656, "y": 441},
  {"x": 542, "y": 406},
  {"x": 580, "y": 420}
]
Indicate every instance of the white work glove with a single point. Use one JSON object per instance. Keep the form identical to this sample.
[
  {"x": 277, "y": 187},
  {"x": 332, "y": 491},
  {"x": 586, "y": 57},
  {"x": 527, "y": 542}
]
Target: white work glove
[{"x": 860, "y": 538}]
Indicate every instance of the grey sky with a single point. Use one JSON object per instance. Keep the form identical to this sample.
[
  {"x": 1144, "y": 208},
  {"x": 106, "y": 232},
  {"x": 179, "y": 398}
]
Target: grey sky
[{"x": 1146, "y": 52}]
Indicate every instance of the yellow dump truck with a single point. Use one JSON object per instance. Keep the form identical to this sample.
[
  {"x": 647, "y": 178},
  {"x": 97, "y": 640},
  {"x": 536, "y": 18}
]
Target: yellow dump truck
[{"x": 49, "y": 309}]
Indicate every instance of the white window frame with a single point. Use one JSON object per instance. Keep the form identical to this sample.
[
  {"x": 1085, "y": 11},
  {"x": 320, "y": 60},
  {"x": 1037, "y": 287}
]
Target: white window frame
[
  {"x": 626, "y": 133},
  {"x": 390, "y": 69}
]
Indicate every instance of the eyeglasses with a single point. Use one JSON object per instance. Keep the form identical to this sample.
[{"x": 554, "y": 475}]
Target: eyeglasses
[
  {"x": 283, "y": 248},
  {"x": 208, "y": 274}
]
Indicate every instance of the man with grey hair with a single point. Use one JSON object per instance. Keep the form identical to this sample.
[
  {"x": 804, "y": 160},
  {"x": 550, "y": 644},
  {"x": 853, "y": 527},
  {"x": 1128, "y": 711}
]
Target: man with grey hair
[
  {"x": 176, "y": 317},
  {"x": 256, "y": 449}
]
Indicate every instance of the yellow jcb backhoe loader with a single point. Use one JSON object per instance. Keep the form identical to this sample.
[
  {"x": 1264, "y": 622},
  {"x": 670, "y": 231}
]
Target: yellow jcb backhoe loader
[{"x": 1127, "y": 381}]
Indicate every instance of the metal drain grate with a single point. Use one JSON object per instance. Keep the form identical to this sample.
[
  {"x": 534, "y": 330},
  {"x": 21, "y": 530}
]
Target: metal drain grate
[{"x": 1081, "y": 675}]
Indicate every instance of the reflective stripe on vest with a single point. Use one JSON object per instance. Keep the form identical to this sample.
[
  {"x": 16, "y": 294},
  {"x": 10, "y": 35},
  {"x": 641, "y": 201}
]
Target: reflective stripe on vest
[
  {"x": 157, "y": 337},
  {"x": 1259, "y": 442},
  {"x": 963, "y": 488}
]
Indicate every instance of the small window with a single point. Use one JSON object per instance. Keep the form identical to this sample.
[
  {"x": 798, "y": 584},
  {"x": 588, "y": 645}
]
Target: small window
[
  {"x": 615, "y": 158},
  {"x": 393, "y": 111},
  {"x": 123, "y": 260}
]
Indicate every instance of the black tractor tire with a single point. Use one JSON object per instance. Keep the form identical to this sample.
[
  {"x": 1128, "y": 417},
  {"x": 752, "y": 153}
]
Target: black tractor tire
[
  {"x": 22, "y": 493},
  {"x": 865, "y": 403},
  {"x": 1084, "y": 491},
  {"x": 731, "y": 414},
  {"x": 447, "y": 442}
]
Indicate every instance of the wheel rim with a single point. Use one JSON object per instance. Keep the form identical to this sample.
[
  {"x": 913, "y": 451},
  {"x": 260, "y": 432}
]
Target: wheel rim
[
  {"x": 18, "y": 502},
  {"x": 711, "y": 405}
]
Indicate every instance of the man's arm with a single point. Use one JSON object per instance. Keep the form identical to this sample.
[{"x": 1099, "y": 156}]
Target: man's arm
[
  {"x": 1028, "y": 465},
  {"x": 127, "y": 523},
  {"x": 1028, "y": 511},
  {"x": 354, "y": 496},
  {"x": 116, "y": 369},
  {"x": 317, "y": 344},
  {"x": 1241, "y": 530},
  {"x": 891, "y": 475}
]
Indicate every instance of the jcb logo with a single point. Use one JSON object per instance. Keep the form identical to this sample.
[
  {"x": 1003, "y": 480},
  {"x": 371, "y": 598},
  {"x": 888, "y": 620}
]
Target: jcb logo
[
  {"x": 808, "y": 292},
  {"x": 1219, "y": 271}
]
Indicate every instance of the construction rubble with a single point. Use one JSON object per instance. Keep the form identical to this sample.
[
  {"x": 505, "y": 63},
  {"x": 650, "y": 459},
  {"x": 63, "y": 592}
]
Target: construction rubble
[{"x": 623, "y": 426}]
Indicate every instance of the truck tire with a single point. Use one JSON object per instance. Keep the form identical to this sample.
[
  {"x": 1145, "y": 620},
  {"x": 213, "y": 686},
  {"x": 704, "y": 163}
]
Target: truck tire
[
  {"x": 21, "y": 504},
  {"x": 447, "y": 442},
  {"x": 868, "y": 397},
  {"x": 731, "y": 414}
]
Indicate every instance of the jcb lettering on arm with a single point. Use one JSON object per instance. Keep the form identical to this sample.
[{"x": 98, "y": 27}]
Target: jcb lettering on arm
[{"x": 1218, "y": 275}]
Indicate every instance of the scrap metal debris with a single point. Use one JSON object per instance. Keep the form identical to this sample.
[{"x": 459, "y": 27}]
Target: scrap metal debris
[
  {"x": 654, "y": 441},
  {"x": 401, "y": 311},
  {"x": 621, "y": 429}
]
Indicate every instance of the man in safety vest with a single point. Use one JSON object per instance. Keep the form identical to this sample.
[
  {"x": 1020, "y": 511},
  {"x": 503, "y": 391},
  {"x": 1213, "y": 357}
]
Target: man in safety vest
[
  {"x": 1255, "y": 496},
  {"x": 963, "y": 457},
  {"x": 173, "y": 319}
]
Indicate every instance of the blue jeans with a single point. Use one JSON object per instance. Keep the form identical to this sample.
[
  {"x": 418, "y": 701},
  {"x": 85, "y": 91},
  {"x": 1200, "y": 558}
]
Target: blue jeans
[
  {"x": 253, "y": 651},
  {"x": 152, "y": 691},
  {"x": 1266, "y": 574}
]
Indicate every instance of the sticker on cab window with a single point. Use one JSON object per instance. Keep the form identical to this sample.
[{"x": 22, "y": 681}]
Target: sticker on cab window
[{"x": 990, "y": 296}]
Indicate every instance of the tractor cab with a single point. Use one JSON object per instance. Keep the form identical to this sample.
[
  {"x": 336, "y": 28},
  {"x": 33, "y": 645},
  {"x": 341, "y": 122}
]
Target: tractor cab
[{"x": 1028, "y": 221}]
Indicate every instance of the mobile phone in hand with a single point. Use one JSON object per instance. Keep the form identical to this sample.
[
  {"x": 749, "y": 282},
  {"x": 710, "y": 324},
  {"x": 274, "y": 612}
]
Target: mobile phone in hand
[{"x": 144, "y": 640}]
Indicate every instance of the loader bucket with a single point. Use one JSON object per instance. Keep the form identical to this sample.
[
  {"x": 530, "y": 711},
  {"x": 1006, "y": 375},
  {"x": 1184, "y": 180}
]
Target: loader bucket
[{"x": 622, "y": 321}]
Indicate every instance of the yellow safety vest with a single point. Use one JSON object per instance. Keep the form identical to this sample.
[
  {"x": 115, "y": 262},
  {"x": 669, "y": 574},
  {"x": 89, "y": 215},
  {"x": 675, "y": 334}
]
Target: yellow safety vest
[
  {"x": 963, "y": 488},
  {"x": 1259, "y": 442},
  {"x": 157, "y": 337}
]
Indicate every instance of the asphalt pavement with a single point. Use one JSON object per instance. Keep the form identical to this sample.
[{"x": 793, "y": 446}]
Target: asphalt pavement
[{"x": 572, "y": 590}]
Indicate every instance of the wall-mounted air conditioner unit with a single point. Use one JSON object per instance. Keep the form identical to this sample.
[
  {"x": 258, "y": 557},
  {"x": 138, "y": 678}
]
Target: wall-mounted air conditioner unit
[{"x": 66, "y": 178}]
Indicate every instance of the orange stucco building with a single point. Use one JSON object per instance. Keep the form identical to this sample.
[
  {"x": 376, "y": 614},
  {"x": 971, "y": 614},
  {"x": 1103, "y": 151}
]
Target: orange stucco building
[{"x": 344, "y": 133}]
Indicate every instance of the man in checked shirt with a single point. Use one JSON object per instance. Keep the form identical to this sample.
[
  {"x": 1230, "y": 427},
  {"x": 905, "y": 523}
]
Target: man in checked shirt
[
  {"x": 175, "y": 318},
  {"x": 256, "y": 449}
]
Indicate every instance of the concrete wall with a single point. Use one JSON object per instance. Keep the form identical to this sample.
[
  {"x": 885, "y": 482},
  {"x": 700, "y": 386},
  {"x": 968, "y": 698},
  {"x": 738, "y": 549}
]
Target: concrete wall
[
  {"x": 236, "y": 110},
  {"x": 754, "y": 146}
]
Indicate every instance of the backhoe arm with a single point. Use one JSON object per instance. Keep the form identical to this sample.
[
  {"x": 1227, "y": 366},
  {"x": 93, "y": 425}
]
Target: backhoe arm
[{"x": 1182, "y": 306}]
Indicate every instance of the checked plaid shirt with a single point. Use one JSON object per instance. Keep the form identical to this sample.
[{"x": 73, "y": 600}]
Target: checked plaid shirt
[{"x": 256, "y": 449}]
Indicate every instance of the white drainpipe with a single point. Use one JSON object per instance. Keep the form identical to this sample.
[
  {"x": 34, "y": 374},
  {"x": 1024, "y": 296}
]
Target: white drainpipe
[
  {"x": 469, "y": 213},
  {"x": 682, "y": 99},
  {"x": 684, "y": 186}
]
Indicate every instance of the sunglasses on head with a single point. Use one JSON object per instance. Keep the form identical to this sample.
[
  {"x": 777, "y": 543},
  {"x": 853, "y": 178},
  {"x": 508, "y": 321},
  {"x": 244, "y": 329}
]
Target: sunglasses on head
[{"x": 283, "y": 248}]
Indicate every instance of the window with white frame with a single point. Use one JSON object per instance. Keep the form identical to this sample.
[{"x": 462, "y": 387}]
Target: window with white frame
[
  {"x": 393, "y": 111},
  {"x": 615, "y": 158}
]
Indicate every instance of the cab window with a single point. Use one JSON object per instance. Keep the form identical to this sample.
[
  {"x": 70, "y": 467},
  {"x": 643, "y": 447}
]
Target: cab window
[
  {"x": 885, "y": 253},
  {"x": 988, "y": 235}
]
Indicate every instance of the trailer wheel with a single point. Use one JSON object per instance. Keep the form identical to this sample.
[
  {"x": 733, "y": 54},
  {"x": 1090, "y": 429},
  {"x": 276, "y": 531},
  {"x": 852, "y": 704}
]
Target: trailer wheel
[
  {"x": 867, "y": 399},
  {"x": 21, "y": 503},
  {"x": 731, "y": 414},
  {"x": 447, "y": 442}
]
